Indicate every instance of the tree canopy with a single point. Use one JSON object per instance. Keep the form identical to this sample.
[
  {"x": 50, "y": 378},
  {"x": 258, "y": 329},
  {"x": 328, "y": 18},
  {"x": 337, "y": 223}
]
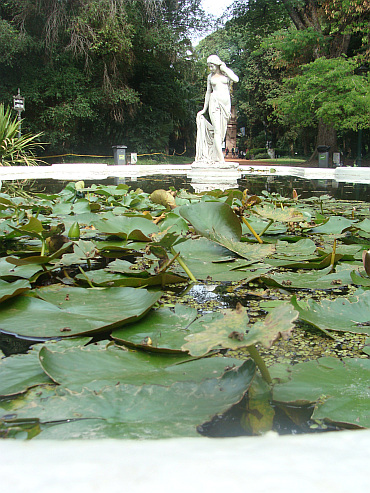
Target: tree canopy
[
  {"x": 102, "y": 72},
  {"x": 96, "y": 73}
]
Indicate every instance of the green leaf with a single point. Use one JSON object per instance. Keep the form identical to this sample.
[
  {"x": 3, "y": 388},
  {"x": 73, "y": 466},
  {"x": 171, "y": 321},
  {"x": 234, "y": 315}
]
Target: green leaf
[
  {"x": 95, "y": 367},
  {"x": 8, "y": 290},
  {"x": 341, "y": 314},
  {"x": 63, "y": 312},
  {"x": 288, "y": 214},
  {"x": 339, "y": 389},
  {"x": 133, "y": 228},
  {"x": 308, "y": 280},
  {"x": 252, "y": 252},
  {"x": 102, "y": 277},
  {"x": 213, "y": 219},
  {"x": 161, "y": 330},
  {"x": 335, "y": 225},
  {"x": 20, "y": 372},
  {"x": 228, "y": 330},
  {"x": 129, "y": 411}
]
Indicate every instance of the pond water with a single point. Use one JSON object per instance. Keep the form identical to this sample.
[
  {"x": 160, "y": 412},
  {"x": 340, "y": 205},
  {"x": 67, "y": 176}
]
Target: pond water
[
  {"x": 305, "y": 345},
  {"x": 255, "y": 184}
]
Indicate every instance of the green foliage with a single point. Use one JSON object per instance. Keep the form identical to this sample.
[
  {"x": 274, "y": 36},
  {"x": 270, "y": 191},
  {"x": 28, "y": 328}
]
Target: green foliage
[
  {"x": 15, "y": 149},
  {"x": 101, "y": 72},
  {"x": 327, "y": 90},
  {"x": 168, "y": 384}
]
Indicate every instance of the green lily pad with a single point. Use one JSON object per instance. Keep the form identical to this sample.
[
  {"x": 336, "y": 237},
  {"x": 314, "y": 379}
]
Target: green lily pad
[
  {"x": 341, "y": 314},
  {"x": 259, "y": 224},
  {"x": 364, "y": 225},
  {"x": 10, "y": 289},
  {"x": 129, "y": 411},
  {"x": 133, "y": 228},
  {"x": 207, "y": 259},
  {"x": 339, "y": 389},
  {"x": 81, "y": 206},
  {"x": 360, "y": 280},
  {"x": 228, "y": 330},
  {"x": 95, "y": 367},
  {"x": 82, "y": 252},
  {"x": 213, "y": 219},
  {"x": 161, "y": 330},
  {"x": 288, "y": 214},
  {"x": 102, "y": 277},
  {"x": 10, "y": 272},
  {"x": 65, "y": 311},
  {"x": 334, "y": 225},
  {"x": 20, "y": 372},
  {"x": 301, "y": 248},
  {"x": 174, "y": 223},
  {"x": 306, "y": 280},
  {"x": 252, "y": 252}
]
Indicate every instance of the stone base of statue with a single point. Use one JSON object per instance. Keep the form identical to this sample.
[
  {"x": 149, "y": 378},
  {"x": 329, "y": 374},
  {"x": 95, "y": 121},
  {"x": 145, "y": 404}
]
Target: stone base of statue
[
  {"x": 209, "y": 176},
  {"x": 214, "y": 165}
]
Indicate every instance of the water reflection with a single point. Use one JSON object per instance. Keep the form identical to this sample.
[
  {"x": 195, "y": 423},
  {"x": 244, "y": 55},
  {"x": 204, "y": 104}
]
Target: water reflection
[{"x": 255, "y": 184}]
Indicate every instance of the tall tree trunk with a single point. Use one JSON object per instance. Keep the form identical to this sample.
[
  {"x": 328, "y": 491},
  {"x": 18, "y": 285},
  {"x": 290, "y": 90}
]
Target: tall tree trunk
[
  {"x": 307, "y": 15},
  {"x": 326, "y": 136}
]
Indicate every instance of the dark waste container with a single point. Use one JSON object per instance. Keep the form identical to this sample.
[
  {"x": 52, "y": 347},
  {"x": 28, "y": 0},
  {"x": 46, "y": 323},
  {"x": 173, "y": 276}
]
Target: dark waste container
[
  {"x": 119, "y": 153},
  {"x": 323, "y": 156}
]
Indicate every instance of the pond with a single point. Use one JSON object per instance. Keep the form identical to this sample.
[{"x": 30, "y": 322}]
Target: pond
[
  {"x": 255, "y": 184},
  {"x": 156, "y": 316}
]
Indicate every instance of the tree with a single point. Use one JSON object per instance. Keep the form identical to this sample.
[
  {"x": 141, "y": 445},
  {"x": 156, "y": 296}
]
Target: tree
[
  {"x": 327, "y": 90},
  {"x": 335, "y": 29},
  {"x": 96, "y": 72}
]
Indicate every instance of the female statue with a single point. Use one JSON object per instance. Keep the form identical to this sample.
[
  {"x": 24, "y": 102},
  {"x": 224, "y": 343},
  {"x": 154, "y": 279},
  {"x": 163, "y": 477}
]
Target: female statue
[{"x": 210, "y": 136}]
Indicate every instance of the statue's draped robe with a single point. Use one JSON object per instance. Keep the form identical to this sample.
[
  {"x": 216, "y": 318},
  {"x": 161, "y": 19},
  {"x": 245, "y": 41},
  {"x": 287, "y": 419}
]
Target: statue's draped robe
[{"x": 205, "y": 150}]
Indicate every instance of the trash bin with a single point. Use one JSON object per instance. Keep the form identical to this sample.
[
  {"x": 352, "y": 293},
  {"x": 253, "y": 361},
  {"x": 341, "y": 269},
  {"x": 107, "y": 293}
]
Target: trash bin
[
  {"x": 119, "y": 153},
  {"x": 323, "y": 156}
]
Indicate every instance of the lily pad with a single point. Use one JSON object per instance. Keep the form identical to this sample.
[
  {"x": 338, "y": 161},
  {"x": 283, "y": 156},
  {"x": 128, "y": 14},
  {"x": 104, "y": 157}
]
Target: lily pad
[
  {"x": 207, "y": 259},
  {"x": 65, "y": 311},
  {"x": 129, "y": 411},
  {"x": 341, "y": 314},
  {"x": 228, "y": 330},
  {"x": 161, "y": 330},
  {"x": 10, "y": 289},
  {"x": 252, "y": 252},
  {"x": 307, "y": 280},
  {"x": 212, "y": 219},
  {"x": 102, "y": 277},
  {"x": 338, "y": 389},
  {"x": 288, "y": 214},
  {"x": 129, "y": 228},
  {"x": 20, "y": 372},
  {"x": 95, "y": 367},
  {"x": 334, "y": 225}
]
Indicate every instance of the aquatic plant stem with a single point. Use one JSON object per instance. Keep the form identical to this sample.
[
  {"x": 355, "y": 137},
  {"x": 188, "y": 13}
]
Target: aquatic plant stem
[
  {"x": 267, "y": 227},
  {"x": 43, "y": 246},
  {"x": 85, "y": 276},
  {"x": 332, "y": 259},
  {"x": 255, "y": 355},
  {"x": 184, "y": 266},
  {"x": 251, "y": 230}
]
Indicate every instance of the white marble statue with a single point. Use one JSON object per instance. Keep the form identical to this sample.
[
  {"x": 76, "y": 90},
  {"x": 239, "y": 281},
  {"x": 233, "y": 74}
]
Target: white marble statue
[{"x": 210, "y": 135}]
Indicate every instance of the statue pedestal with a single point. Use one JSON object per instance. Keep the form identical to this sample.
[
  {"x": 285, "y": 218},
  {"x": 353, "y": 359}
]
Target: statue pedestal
[
  {"x": 210, "y": 176},
  {"x": 226, "y": 165}
]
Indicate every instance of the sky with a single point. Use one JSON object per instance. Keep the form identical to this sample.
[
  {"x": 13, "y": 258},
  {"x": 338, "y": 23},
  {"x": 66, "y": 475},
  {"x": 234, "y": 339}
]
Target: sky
[{"x": 214, "y": 7}]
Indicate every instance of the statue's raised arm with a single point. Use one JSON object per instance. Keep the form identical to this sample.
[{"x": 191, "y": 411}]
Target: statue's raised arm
[{"x": 210, "y": 135}]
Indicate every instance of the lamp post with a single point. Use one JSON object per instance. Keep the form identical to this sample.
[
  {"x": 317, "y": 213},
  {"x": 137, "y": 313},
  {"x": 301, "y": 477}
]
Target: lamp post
[{"x": 18, "y": 105}]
